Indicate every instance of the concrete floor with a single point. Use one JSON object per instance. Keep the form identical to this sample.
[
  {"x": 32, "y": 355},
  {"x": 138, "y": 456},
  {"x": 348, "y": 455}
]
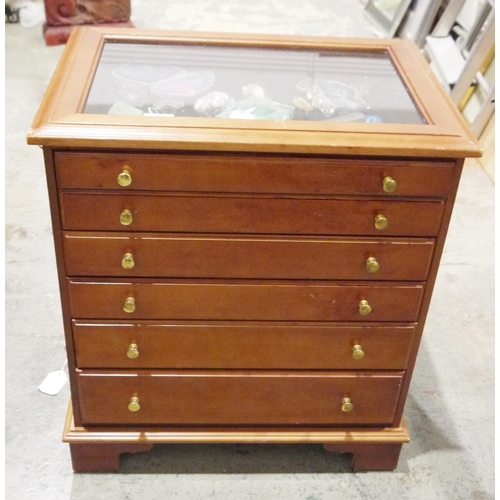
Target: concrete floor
[{"x": 450, "y": 408}]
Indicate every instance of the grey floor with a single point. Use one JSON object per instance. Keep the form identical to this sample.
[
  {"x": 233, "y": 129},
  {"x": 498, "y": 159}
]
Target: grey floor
[{"x": 450, "y": 408}]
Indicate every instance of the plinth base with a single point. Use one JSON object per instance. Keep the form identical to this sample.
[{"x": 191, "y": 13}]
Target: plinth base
[
  {"x": 99, "y": 448},
  {"x": 58, "y": 35}
]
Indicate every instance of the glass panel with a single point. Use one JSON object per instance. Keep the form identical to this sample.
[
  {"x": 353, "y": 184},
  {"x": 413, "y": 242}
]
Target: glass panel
[{"x": 229, "y": 82}]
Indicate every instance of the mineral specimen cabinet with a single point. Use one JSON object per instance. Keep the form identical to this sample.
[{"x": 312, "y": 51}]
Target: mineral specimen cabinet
[{"x": 248, "y": 231}]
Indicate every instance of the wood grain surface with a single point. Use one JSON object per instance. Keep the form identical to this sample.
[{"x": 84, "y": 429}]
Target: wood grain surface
[
  {"x": 231, "y": 434},
  {"x": 100, "y": 344},
  {"x": 244, "y": 300},
  {"x": 250, "y": 241},
  {"x": 220, "y": 256},
  {"x": 197, "y": 172},
  {"x": 250, "y": 397},
  {"x": 249, "y": 214}
]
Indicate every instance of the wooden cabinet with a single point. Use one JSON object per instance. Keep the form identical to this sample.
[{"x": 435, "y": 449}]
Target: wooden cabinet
[{"x": 245, "y": 280}]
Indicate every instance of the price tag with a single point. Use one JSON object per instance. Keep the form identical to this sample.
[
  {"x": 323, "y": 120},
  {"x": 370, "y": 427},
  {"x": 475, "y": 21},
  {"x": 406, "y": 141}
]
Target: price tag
[{"x": 53, "y": 382}]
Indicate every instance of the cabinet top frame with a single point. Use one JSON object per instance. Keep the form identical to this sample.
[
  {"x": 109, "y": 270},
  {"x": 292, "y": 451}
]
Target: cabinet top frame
[{"x": 60, "y": 121}]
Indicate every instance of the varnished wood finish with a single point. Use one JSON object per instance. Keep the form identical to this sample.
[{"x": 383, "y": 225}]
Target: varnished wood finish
[
  {"x": 234, "y": 345},
  {"x": 85, "y": 442},
  {"x": 245, "y": 398},
  {"x": 61, "y": 271},
  {"x": 90, "y": 457},
  {"x": 58, "y": 35},
  {"x": 430, "y": 286},
  {"x": 252, "y": 173},
  {"x": 369, "y": 456},
  {"x": 292, "y": 301},
  {"x": 339, "y": 139},
  {"x": 250, "y": 241},
  {"x": 59, "y": 122},
  {"x": 250, "y": 214},
  {"x": 233, "y": 434},
  {"x": 101, "y": 254}
]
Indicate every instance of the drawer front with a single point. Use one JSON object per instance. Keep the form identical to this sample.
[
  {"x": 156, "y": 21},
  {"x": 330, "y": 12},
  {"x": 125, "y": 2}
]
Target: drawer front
[
  {"x": 240, "y": 346},
  {"x": 253, "y": 398},
  {"x": 153, "y": 255},
  {"x": 251, "y": 174},
  {"x": 247, "y": 214},
  {"x": 204, "y": 300}
]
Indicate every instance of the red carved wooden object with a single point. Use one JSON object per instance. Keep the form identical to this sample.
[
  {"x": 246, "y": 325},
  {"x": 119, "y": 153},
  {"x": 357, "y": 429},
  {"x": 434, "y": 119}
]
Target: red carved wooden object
[{"x": 63, "y": 15}]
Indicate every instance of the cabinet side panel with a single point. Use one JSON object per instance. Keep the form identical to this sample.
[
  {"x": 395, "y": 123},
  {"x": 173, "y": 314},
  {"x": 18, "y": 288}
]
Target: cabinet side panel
[
  {"x": 438, "y": 251},
  {"x": 63, "y": 287}
]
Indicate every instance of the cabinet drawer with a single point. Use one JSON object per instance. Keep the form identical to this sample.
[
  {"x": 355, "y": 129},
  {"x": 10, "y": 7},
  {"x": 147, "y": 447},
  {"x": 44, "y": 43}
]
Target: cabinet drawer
[
  {"x": 154, "y": 255},
  {"x": 233, "y": 300},
  {"x": 208, "y": 398},
  {"x": 247, "y": 214},
  {"x": 239, "y": 346},
  {"x": 252, "y": 174}
]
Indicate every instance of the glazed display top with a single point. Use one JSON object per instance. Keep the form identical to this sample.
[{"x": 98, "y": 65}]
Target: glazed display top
[
  {"x": 249, "y": 83},
  {"x": 155, "y": 90}
]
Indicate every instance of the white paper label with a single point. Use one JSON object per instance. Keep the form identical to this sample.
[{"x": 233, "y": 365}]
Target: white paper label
[{"x": 53, "y": 382}]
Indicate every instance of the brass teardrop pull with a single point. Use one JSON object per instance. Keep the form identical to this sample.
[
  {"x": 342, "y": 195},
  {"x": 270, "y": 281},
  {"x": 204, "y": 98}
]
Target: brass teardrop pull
[
  {"x": 133, "y": 351},
  {"x": 347, "y": 405},
  {"x": 124, "y": 177},
  {"x": 134, "y": 404},
  {"x": 381, "y": 221},
  {"x": 364, "y": 308},
  {"x": 389, "y": 185},
  {"x": 372, "y": 266},
  {"x": 126, "y": 217},
  {"x": 357, "y": 352},
  {"x": 128, "y": 261},
  {"x": 129, "y": 305}
]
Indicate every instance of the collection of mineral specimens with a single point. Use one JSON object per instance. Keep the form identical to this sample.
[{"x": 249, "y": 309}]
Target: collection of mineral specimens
[{"x": 171, "y": 90}]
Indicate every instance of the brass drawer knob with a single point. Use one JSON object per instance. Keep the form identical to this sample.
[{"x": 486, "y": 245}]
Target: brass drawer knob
[
  {"x": 133, "y": 351},
  {"x": 357, "y": 352},
  {"x": 134, "y": 404},
  {"x": 389, "y": 184},
  {"x": 372, "y": 266},
  {"x": 124, "y": 177},
  {"x": 128, "y": 261},
  {"x": 381, "y": 221},
  {"x": 129, "y": 305},
  {"x": 126, "y": 217},
  {"x": 346, "y": 404},
  {"x": 364, "y": 308}
]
